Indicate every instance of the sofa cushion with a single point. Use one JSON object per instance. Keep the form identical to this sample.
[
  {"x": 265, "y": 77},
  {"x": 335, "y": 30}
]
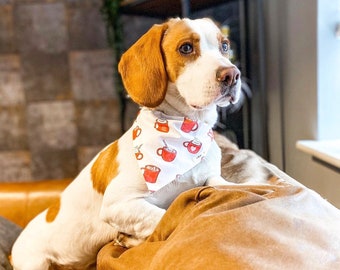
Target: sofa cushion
[{"x": 8, "y": 234}]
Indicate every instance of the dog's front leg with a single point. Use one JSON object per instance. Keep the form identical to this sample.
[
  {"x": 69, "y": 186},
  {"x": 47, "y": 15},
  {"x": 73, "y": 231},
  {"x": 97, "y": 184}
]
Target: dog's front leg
[
  {"x": 212, "y": 167},
  {"x": 130, "y": 214},
  {"x": 216, "y": 181},
  {"x": 134, "y": 219}
]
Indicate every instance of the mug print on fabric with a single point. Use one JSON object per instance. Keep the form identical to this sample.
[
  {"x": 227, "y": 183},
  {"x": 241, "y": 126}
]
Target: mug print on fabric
[
  {"x": 151, "y": 173},
  {"x": 138, "y": 154},
  {"x": 189, "y": 125},
  {"x": 136, "y": 132},
  {"x": 167, "y": 153},
  {"x": 166, "y": 147},
  {"x": 162, "y": 125},
  {"x": 194, "y": 146}
]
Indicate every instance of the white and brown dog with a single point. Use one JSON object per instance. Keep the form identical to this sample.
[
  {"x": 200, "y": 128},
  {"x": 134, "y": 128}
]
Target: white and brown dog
[{"x": 178, "y": 72}]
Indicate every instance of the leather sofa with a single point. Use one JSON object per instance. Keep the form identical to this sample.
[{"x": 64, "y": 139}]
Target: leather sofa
[{"x": 20, "y": 202}]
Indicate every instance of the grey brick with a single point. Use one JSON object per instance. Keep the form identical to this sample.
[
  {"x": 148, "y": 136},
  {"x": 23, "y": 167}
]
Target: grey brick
[
  {"x": 51, "y": 125},
  {"x": 54, "y": 164},
  {"x": 11, "y": 90},
  {"x": 13, "y": 132},
  {"x": 15, "y": 166},
  {"x": 86, "y": 154},
  {"x": 7, "y": 44},
  {"x": 87, "y": 29},
  {"x": 46, "y": 76},
  {"x": 41, "y": 27},
  {"x": 92, "y": 75},
  {"x": 98, "y": 122}
]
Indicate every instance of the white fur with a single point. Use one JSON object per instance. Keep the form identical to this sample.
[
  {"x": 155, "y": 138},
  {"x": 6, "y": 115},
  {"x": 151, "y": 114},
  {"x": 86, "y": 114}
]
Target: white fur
[
  {"x": 204, "y": 67},
  {"x": 87, "y": 220}
]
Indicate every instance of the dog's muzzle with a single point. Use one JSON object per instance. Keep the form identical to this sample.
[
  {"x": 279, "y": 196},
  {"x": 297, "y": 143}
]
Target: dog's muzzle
[
  {"x": 229, "y": 78},
  {"x": 228, "y": 75}
]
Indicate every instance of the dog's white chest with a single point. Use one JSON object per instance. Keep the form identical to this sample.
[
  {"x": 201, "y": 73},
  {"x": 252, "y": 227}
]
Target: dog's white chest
[{"x": 167, "y": 147}]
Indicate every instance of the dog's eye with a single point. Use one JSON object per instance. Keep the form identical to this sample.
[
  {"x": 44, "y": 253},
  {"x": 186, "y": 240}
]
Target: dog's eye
[
  {"x": 186, "y": 48},
  {"x": 225, "y": 46}
]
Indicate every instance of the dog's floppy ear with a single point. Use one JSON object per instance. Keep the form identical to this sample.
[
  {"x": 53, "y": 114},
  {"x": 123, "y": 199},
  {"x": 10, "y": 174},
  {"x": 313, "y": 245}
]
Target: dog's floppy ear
[{"x": 143, "y": 70}]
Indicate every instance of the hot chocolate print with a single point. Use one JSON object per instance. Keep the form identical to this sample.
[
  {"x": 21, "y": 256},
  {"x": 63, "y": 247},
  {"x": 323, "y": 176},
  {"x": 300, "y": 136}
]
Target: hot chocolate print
[
  {"x": 167, "y": 147},
  {"x": 162, "y": 125},
  {"x": 193, "y": 146},
  {"x": 139, "y": 155},
  {"x": 151, "y": 173},
  {"x": 189, "y": 125},
  {"x": 167, "y": 153},
  {"x": 136, "y": 132}
]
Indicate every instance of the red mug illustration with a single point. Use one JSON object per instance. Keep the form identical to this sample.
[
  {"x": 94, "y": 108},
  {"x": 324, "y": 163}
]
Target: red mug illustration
[
  {"x": 162, "y": 125},
  {"x": 139, "y": 155},
  {"x": 151, "y": 173},
  {"x": 168, "y": 154},
  {"x": 189, "y": 125},
  {"x": 193, "y": 146},
  {"x": 136, "y": 132}
]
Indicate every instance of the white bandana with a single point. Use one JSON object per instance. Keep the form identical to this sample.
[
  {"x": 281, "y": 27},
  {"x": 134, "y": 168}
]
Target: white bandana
[{"x": 167, "y": 147}]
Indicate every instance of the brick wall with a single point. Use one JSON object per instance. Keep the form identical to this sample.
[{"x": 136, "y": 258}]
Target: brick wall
[{"x": 58, "y": 105}]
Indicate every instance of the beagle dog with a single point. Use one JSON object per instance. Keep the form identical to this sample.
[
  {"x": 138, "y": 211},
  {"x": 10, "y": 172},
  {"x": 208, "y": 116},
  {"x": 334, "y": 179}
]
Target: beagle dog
[{"x": 178, "y": 72}]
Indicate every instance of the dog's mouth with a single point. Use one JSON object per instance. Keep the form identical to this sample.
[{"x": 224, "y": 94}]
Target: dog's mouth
[
  {"x": 230, "y": 96},
  {"x": 196, "y": 107}
]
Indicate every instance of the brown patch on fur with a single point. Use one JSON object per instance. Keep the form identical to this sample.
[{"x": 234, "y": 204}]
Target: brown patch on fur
[
  {"x": 53, "y": 211},
  {"x": 275, "y": 180},
  {"x": 105, "y": 168},
  {"x": 178, "y": 34},
  {"x": 142, "y": 68}
]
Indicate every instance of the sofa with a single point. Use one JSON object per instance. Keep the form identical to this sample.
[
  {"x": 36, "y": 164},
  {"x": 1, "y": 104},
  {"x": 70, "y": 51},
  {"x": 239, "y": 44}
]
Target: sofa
[
  {"x": 19, "y": 203},
  {"x": 264, "y": 219}
]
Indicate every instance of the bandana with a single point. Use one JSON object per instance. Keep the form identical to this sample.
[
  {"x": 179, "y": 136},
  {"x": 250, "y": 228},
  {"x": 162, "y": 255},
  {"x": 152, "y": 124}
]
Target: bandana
[{"x": 166, "y": 147}]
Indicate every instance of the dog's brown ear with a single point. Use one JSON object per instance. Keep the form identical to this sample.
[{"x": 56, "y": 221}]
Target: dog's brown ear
[{"x": 143, "y": 70}]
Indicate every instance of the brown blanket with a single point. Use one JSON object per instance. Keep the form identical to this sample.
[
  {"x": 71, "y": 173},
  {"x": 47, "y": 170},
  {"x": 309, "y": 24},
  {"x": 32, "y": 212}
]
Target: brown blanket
[
  {"x": 265, "y": 221},
  {"x": 278, "y": 226}
]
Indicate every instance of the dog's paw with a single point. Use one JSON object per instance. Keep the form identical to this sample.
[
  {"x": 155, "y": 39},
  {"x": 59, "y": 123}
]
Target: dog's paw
[
  {"x": 128, "y": 241},
  {"x": 217, "y": 181}
]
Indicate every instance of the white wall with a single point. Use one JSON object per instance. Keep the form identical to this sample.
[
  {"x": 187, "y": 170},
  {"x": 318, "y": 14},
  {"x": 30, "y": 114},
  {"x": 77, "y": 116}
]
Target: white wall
[{"x": 294, "y": 84}]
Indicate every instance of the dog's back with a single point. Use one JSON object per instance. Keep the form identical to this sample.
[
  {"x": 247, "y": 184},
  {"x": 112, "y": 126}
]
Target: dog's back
[{"x": 179, "y": 69}]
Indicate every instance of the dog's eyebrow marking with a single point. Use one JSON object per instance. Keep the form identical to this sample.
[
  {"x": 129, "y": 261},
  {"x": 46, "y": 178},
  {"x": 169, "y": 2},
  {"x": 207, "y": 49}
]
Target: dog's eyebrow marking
[
  {"x": 53, "y": 211},
  {"x": 105, "y": 168},
  {"x": 176, "y": 36}
]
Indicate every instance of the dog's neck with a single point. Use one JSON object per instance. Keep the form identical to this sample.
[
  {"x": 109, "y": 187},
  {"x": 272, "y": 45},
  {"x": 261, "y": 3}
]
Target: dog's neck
[{"x": 175, "y": 105}]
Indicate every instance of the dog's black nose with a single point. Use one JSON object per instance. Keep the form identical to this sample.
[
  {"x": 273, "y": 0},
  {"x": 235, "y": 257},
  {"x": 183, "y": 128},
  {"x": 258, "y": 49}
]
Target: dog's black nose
[{"x": 228, "y": 75}]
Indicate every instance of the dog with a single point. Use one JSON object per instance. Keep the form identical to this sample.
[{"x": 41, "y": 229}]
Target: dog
[{"x": 178, "y": 72}]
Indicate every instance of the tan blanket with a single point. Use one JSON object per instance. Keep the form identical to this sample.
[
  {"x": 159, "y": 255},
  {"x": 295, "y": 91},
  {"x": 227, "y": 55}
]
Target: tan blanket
[
  {"x": 238, "y": 227},
  {"x": 274, "y": 223}
]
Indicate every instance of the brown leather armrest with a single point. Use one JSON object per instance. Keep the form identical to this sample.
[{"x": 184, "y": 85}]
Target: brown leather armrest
[{"x": 20, "y": 202}]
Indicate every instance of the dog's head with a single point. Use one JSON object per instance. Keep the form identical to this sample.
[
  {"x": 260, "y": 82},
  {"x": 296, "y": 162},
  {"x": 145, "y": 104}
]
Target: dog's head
[{"x": 191, "y": 55}]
